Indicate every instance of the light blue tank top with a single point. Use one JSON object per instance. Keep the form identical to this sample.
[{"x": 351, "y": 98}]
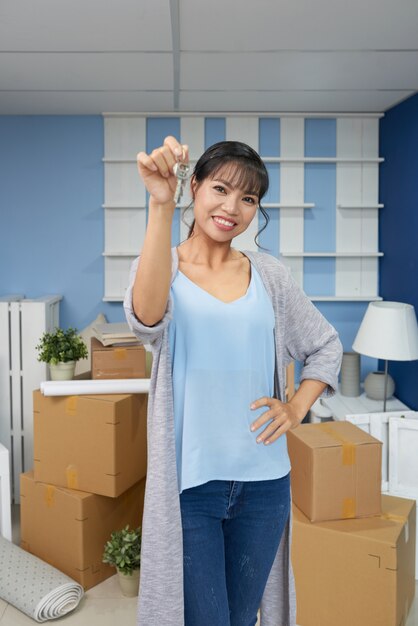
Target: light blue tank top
[{"x": 222, "y": 360}]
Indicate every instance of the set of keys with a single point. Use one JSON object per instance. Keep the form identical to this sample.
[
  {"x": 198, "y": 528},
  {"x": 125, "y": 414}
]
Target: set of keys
[{"x": 181, "y": 171}]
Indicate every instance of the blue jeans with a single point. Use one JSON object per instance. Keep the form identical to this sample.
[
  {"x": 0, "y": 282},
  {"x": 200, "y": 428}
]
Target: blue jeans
[{"x": 231, "y": 533}]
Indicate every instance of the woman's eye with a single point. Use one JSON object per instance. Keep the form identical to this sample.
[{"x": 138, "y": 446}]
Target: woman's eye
[
  {"x": 250, "y": 199},
  {"x": 219, "y": 187}
]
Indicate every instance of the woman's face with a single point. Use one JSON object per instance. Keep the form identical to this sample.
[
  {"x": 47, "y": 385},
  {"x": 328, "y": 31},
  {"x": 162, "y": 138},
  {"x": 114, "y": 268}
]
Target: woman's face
[{"x": 217, "y": 201}]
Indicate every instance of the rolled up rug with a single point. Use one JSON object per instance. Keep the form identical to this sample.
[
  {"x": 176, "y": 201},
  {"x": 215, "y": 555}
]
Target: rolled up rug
[{"x": 35, "y": 587}]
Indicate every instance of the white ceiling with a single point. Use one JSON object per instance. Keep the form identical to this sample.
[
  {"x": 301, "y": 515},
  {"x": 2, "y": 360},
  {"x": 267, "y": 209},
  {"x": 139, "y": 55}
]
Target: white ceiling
[{"x": 94, "y": 56}]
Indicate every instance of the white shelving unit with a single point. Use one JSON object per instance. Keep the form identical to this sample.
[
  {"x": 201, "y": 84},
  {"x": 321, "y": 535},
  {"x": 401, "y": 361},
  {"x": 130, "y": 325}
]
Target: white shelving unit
[
  {"x": 22, "y": 322},
  {"x": 356, "y": 205}
]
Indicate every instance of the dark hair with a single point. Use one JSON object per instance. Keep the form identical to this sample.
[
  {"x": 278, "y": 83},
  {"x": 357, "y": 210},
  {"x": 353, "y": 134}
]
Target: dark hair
[{"x": 247, "y": 172}]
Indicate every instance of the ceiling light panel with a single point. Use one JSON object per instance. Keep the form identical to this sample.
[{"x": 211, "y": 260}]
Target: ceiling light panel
[
  {"x": 298, "y": 70},
  {"x": 79, "y": 25},
  {"x": 69, "y": 71},
  {"x": 298, "y": 25}
]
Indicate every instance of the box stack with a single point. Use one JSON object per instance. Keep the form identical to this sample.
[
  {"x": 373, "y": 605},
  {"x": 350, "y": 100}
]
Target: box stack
[
  {"x": 88, "y": 479},
  {"x": 353, "y": 548}
]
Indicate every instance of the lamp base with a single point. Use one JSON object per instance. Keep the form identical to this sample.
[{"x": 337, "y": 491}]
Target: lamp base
[{"x": 374, "y": 386}]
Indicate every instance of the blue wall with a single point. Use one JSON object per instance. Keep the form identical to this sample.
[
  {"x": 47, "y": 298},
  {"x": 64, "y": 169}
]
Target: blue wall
[
  {"x": 51, "y": 196},
  {"x": 52, "y": 223},
  {"x": 399, "y": 225}
]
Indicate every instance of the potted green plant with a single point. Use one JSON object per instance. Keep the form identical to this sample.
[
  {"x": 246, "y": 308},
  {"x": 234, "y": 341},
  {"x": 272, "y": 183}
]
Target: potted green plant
[
  {"x": 61, "y": 349},
  {"x": 123, "y": 551}
]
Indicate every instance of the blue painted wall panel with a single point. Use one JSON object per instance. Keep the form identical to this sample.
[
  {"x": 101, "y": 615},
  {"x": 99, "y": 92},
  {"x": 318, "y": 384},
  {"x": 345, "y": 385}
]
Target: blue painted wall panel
[
  {"x": 398, "y": 227},
  {"x": 158, "y": 128},
  {"x": 214, "y": 130},
  {"x": 52, "y": 223},
  {"x": 270, "y": 237},
  {"x": 319, "y": 276},
  {"x": 320, "y": 137},
  {"x": 269, "y": 137},
  {"x": 320, "y": 222}
]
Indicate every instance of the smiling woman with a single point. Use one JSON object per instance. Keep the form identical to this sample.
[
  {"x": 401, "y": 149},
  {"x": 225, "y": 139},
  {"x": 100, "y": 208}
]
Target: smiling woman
[{"x": 222, "y": 324}]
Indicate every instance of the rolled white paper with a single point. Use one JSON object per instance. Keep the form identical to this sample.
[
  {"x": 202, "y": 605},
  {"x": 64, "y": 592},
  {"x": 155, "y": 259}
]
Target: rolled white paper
[{"x": 94, "y": 387}]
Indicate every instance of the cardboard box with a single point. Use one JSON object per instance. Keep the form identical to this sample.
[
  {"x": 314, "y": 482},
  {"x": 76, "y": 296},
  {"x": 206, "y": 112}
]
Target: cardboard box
[
  {"x": 117, "y": 361},
  {"x": 410, "y": 497},
  {"x": 91, "y": 443},
  {"x": 336, "y": 471},
  {"x": 69, "y": 528},
  {"x": 356, "y": 572}
]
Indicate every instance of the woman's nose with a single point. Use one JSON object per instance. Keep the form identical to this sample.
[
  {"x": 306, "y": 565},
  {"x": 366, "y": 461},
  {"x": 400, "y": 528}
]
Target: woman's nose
[{"x": 230, "y": 205}]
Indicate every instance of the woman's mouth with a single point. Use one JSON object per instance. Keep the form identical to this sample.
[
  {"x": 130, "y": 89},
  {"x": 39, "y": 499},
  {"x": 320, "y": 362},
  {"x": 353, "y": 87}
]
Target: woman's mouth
[{"x": 223, "y": 224}]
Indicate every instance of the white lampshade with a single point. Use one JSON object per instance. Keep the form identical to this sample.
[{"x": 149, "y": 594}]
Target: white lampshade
[{"x": 389, "y": 331}]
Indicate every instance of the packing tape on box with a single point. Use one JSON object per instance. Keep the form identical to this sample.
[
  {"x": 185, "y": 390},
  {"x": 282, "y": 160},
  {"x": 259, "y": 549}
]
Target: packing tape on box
[
  {"x": 349, "y": 505},
  {"x": 349, "y": 508},
  {"x": 120, "y": 354},
  {"x": 72, "y": 477},
  {"x": 71, "y": 405},
  {"x": 348, "y": 448},
  {"x": 35, "y": 587},
  {"x": 49, "y": 495},
  {"x": 398, "y": 518}
]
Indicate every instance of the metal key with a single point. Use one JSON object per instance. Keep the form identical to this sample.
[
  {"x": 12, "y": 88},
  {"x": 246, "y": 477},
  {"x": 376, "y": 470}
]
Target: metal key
[{"x": 181, "y": 170}]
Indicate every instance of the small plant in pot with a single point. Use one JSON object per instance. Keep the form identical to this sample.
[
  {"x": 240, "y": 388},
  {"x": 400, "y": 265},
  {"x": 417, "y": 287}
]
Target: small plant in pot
[
  {"x": 61, "y": 349},
  {"x": 123, "y": 551}
]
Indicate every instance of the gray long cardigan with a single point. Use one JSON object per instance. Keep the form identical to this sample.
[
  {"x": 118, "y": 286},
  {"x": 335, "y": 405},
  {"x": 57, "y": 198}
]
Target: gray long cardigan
[{"x": 301, "y": 333}]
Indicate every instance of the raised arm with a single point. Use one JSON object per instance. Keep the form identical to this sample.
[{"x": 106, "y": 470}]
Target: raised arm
[{"x": 146, "y": 300}]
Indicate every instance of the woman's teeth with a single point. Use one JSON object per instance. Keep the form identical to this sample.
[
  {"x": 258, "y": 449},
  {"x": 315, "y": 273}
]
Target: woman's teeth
[{"x": 219, "y": 220}]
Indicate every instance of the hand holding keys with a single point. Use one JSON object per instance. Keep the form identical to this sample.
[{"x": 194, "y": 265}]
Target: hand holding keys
[{"x": 165, "y": 171}]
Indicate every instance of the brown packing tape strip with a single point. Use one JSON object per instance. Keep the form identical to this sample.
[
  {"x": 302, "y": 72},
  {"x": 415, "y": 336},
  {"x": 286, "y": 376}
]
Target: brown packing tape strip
[
  {"x": 120, "y": 354},
  {"x": 72, "y": 477},
  {"x": 349, "y": 508},
  {"x": 394, "y": 518},
  {"x": 398, "y": 518},
  {"x": 348, "y": 448},
  {"x": 49, "y": 495},
  {"x": 71, "y": 405},
  {"x": 349, "y": 505}
]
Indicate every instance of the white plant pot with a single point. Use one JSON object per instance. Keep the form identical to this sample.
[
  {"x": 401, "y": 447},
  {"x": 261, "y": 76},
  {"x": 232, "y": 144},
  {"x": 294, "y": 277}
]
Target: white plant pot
[
  {"x": 129, "y": 584},
  {"x": 62, "y": 371}
]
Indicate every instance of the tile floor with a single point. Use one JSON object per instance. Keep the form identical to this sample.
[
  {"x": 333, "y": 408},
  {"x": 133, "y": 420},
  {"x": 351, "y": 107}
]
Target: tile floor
[{"x": 104, "y": 604}]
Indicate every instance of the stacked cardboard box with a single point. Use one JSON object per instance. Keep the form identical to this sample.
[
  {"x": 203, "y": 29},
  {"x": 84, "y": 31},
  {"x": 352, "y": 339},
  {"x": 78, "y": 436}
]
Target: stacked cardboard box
[
  {"x": 112, "y": 362},
  {"x": 353, "y": 548},
  {"x": 88, "y": 479}
]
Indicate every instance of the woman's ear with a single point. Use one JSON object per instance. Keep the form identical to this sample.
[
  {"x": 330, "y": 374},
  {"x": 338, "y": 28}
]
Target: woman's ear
[{"x": 193, "y": 186}]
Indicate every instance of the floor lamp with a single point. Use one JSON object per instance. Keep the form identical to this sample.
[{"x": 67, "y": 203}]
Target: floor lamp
[{"x": 389, "y": 331}]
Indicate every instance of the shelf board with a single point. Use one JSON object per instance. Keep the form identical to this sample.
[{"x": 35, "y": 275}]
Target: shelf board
[
  {"x": 132, "y": 255},
  {"x": 108, "y": 160},
  {"x": 345, "y": 298},
  {"x": 273, "y": 159},
  {"x": 312, "y": 298},
  {"x": 283, "y": 205},
  {"x": 123, "y": 206},
  {"x": 276, "y": 114},
  {"x": 321, "y": 160},
  {"x": 360, "y": 206},
  {"x": 331, "y": 254}
]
